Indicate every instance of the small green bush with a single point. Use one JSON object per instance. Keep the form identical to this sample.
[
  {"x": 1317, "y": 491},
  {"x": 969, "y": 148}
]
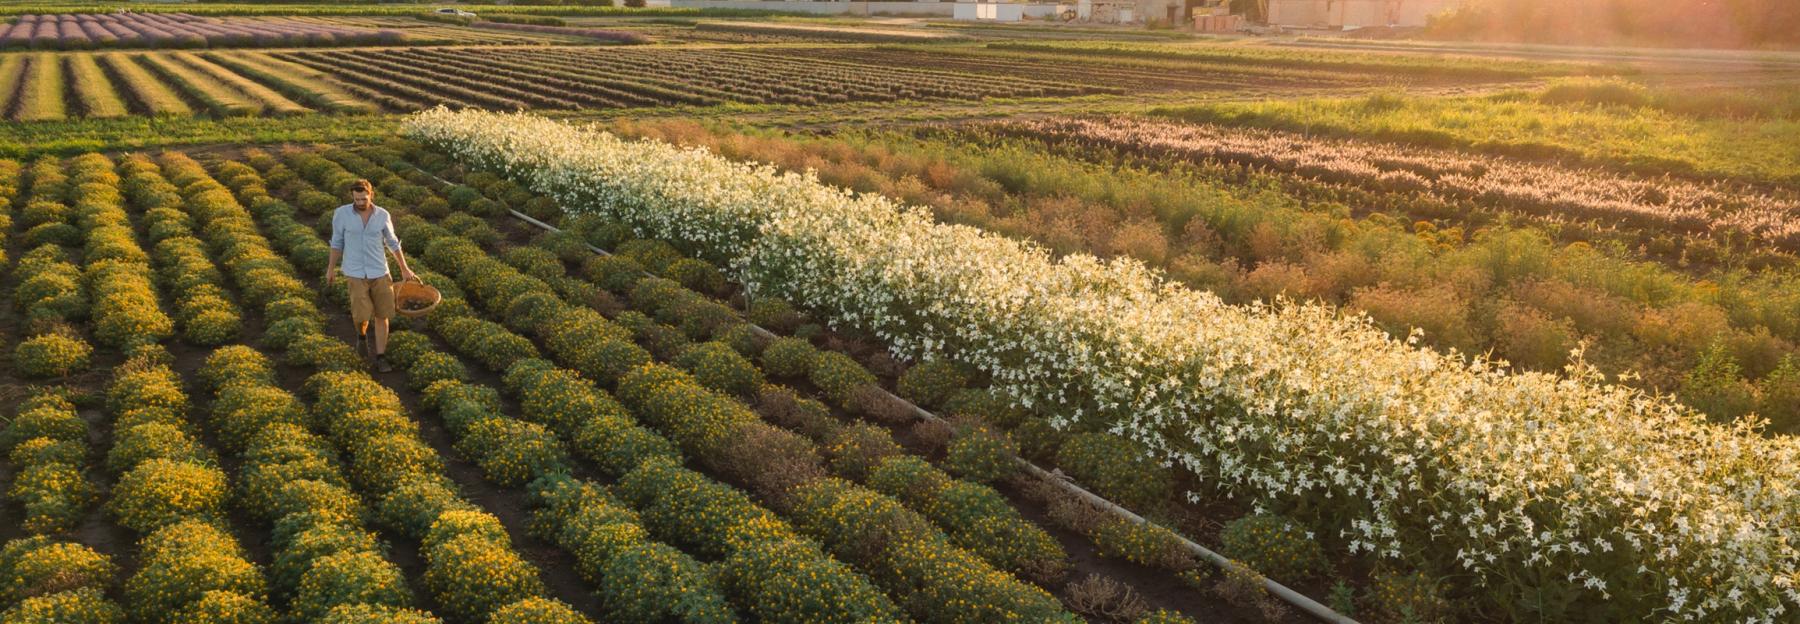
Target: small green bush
[
  {"x": 776, "y": 315},
  {"x": 696, "y": 275},
  {"x": 789, "y": 357},
  {"x": 931, "y": 383},
  {"x": 981, "y": 453},
  {"x": 1116, "y": 468},
  {"x": 839, "y": 377},
  {"x": 434, "y": 366},
  {"x": 718, "y": 366},
  {"x": 1276, "y": 546}
]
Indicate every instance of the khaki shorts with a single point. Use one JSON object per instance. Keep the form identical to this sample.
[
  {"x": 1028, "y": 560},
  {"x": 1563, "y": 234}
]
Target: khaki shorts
[{"x": 371, "y": 296}]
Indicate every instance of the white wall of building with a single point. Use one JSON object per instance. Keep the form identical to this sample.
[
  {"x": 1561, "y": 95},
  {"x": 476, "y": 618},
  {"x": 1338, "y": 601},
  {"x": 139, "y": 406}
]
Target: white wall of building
[{"x": 1354, "y": 13}]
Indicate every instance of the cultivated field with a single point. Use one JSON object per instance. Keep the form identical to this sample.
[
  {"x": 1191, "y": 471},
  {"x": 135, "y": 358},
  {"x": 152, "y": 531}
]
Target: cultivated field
[{"x": 770, "y": 319}]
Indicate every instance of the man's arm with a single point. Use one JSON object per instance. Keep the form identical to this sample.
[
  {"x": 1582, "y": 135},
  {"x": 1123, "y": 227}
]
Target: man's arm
[
  {"x": 393, "y": 243},
  {"x": 337, "y": 251}
]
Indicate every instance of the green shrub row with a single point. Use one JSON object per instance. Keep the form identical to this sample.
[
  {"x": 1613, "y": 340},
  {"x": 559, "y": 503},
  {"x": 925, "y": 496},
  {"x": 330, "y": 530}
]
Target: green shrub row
[
  {"x": 324, "y": 554},
  {"x": 974, "y": 516},
  {"x": 471, "y": 570},
  {"x": 727, "y": 436},
  {"x": 189, "y": 567},
  {"x": 46, "y": 442},
  {"x": 637, "y": 579},
  {"x": 776, "y": 574},
  {"x": 203, "y": 311},
  {"x": 783, "y": 578},
  {"x": 116, "y": 269}
]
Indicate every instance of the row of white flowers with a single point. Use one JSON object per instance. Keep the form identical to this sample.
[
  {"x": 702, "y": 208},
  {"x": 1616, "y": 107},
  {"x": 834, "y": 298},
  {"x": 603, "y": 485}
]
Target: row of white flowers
[{"x": 1528, "y": 480}]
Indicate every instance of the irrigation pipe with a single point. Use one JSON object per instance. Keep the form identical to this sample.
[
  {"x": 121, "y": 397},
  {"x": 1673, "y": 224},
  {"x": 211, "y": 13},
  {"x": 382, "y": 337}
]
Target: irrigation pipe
[{"x": 1312, "y": 607}]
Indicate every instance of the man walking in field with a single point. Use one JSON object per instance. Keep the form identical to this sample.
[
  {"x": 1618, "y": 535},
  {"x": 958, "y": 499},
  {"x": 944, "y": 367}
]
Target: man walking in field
[{"x": 361, "y": 234}]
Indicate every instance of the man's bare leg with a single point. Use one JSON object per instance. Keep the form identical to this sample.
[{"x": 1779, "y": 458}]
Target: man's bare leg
[{"x": 381, "y": 333}]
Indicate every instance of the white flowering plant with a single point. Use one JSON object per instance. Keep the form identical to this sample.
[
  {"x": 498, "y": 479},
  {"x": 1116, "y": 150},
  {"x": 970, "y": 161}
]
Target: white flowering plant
[{"x": 1522, "y": 479}]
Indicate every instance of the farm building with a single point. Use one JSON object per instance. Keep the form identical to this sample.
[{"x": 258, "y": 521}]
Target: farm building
[{"x": 1349, "y": 14}]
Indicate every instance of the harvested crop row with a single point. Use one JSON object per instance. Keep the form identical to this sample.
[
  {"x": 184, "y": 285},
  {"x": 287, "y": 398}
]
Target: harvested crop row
[
  {"x": 147, "y": 93},
  {"x": 271, "y": 101},
  {"x": 41, "y": 90},
  {"x": 300, "y": 83},
  {"x": 196, "y": 86},
  {"x": 94, "y": 90}
]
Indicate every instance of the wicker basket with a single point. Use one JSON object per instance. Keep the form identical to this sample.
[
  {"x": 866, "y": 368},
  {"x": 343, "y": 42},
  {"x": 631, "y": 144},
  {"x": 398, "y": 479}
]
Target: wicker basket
[{"x": 413, "y": 298}]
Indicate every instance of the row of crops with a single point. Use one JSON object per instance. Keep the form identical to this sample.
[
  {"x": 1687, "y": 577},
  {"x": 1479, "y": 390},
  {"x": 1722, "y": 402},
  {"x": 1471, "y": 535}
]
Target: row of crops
[
  {"x": 791, "y": 511},
  {"x": 1402, "y": 454},
  {"x": 177, "y": 30},
  {"x": 51, "y": 86},
  {"x": 1629, "y": 202}
]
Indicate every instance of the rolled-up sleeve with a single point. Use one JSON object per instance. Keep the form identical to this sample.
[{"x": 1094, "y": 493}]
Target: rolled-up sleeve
[
  {"x": 388, "y": 236},
  {"x": 337, "y": 229}
]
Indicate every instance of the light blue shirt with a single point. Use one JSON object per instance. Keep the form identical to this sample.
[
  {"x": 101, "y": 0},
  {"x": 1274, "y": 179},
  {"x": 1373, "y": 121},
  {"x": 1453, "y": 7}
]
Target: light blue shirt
[{"x": 361, "y": 242}]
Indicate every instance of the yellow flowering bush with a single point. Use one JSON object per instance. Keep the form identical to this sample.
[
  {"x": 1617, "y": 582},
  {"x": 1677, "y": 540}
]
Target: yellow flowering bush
[
  {"x": 434, "y": 366},
  {"x": 471, "y": 576},
  {"x": 161, "y": 491},
  {"x": 935, "y": 580},
  {"x": 614, "y": 273},
  {"x": 81, "y": 606},
  {"x": 411, "y": 505},
  {"x": 241, "y": 410},
  {"x": 638, "y": 580},
  {"x": 1274, "y": 545},
  {"x": 789, "y": 357},
  {"x": 51, "y": 355},
  {"x": 981, "y": 453},
  {"x": 226, "y": 607},
  {"x": 49, "y": 417},
  {"x": 1408, "y": 597},
  {"x": 974, "y": 516},
  {"x": 375, "y": 614},
  {"x": 511, "y": 452},
  {"x": 54, "y": 496},
  {"x": 696, "y": 275},
  {"x": 698, "y": 419},
  {"x": 153, "y": 440},
  {"x": 405, "y": 347},
  {"x": 538, "y": 611},
  {"x": 37, "y": 566},
  {"x": 719, "y": 367},
  {"x": 354, "y": 577},
  {"x": 235, "y": 364},
  {"x": 179, "y": 563}
]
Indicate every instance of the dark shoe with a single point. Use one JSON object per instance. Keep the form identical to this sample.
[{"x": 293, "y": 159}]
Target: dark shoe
[
  {"x": 382, "y": 365},
  {"x": 362, "y": 345}
]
